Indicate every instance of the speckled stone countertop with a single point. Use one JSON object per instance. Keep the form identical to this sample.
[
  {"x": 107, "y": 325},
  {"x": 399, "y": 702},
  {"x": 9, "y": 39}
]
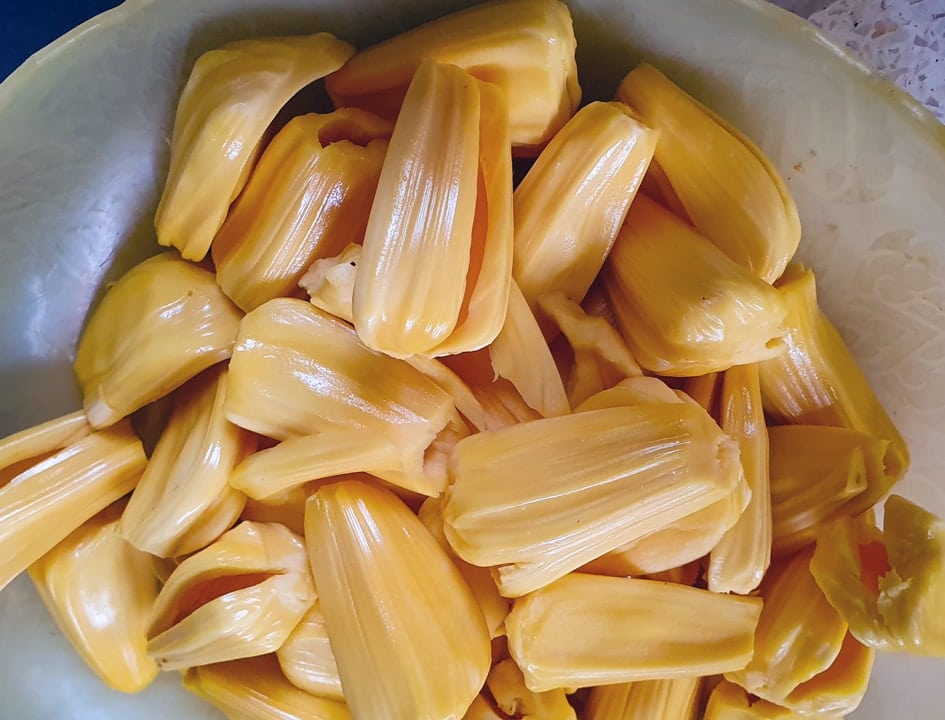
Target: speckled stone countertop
[{"x": 904, "y": 40}]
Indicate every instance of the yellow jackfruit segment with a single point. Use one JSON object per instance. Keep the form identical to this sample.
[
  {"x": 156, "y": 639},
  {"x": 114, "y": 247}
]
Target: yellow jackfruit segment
[
  {"x": 818, "y": 473},
  {"x": 607, "y": 477},
  {"x": 526, "y": 47},
  {"x": 184, "y": 497},
  {"x": 307, "y": 660},
  {"x": 739, "y": 561},
  {"x": 601, "y": 357},
  {"x": 506, "y": 684},
  {"x": 22, "y": 450},
  {"x": 641, "y": 390},
  {"x": 571, "y": 204},
  {"x": 520, "y": 354},
  {"x": 683, "y": 307},
  {"x": 298, "y": 371},
  {"x": 817, "y": 381},
  {"x": 494, "y": 607},
  {"x": 628, "y": 630},
  {"x": 888, "y": 585},
  {"x": 100, "y": 591},
  {"x": 730, "y": 702},
  {"x": 256, "y": 689},
  {"x": 728, "y": 188},
  {"x": 799, "y": 634},
  {"x": 840, "y": 688},
  {"x": 162, "y": 323},
  {"x": 232, "y": 95},
  {"x": 42, "y": 505},
  {"x": 239, "y": 597},
  {"x": 417, "y": 245},
  {"x": 704, "y": 390},
  {"x": 675, "y": 699},
  {"x": 657, "y": 186},
  {"x": 308, "y": 197},
  {"x": 408, "y": 635}
]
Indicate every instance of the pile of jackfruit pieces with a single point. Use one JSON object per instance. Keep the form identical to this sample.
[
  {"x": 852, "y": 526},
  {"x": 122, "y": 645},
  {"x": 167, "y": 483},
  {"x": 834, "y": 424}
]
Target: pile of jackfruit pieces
[{"x": 585, "y": 447}]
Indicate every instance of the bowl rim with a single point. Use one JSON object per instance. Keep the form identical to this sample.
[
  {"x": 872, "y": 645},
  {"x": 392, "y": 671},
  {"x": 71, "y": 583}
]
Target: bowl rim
[{"x": 897, "y": 98}]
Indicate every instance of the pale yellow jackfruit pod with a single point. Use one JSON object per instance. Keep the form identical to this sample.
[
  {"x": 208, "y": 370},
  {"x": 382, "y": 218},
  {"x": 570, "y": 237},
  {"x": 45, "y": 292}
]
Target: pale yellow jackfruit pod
[
  {"x": 417, "y": 247},
  {"x": 162, "y": 323},
  {"x": 329, "y": 282},
  {"x": 42, "y": 505},
  {"x": 888, "y": 585},
  {"x": 520, "y": 354},
  {"x": 571, "y": 204},
  {"x": 506, "y": 684},
  {"x": 728, "y": 701},
  {"x": 629, "y": 630},
  {"x": 256, "y": 689},
  {"x": 729, "y": 189},
  {"x": 818, "y": 473},
  {"x": 100, "y": 591},
  {"x": 675, "y": 699},
  {"x": 526, "y": 47},
  {"x": 839, "y": 689},
  {"x": 184, "y": 501},
  {"x": 489, "y": 276},
  {"x": 642, "y": 390},
  {"x": 298, "y": 371},
  {"x": 683, "y": 307},
  {"x": 232, "y": 95},
  {"x": 239, "y": 597},
  {"x": 657, "y": 186},
  {"x": 298, "y": 460},
  {"x": 739, "y": 562},
  {"x": 308, "y": 197},
  {"x": 606, "y": 478},
  {"x": 494, "y": 607},
  {"x": 817, "y": 381},
  {"x": 306, "y": 658},
  {"x": 421, "y": 654},
  {"x": 22, "y": 450},
  {"x": 601, "y": 357},
  {"x": 799, "y": 634},
  {"x": 677, "y": 544}
]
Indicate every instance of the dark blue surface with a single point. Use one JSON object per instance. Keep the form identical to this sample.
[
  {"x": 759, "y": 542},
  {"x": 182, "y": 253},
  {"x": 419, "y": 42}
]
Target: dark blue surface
[{"x": 28, "y": 25}]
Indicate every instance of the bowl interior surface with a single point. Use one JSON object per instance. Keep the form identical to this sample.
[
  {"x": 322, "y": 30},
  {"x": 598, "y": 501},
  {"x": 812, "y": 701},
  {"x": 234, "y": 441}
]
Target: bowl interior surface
[{"x": 84, "y": 133}]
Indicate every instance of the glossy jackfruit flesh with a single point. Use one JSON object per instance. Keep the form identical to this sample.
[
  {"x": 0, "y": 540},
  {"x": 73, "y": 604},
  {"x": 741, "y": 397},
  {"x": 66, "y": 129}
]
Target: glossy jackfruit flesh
[
  {"x": 100, "y": 591},
  {"x": 506, "y": 684},
  {"x": 799, "y": 634},
  {"x": 629, "y": 630},
  {"x": 410, "y": 287},
  {"x": 571, "y": 204},
  {"x": 298, "y": 371},
  {"x": 607, "y": 477},
  {"x": 817, "y": 381},
  {"x": 162, "y": 323},
  {"x": 526, "y": 47},
  {"x": 839, "y": 689},
  {"x": 307, "y": 198},
  {"x": 422, "y": 654},
  {"x": 683, "y": 307},
  {"x": 239, "y": 597},
  {"x": 728, "y": 701},
  {"x": 255, "y": 689},
  {"x": 739, "y": 562},
  {"x": 232, "y": 95},
  {"x": 819, "y": 473},
  {"x": 42, "y": 505},
  {"x": 888, "y": 585},
  {"x": 21, "y": 450},
  {"x": 306, "y": 657},
  {"x": 184, "y": 500},
  {"x": 729, "y": 189}
]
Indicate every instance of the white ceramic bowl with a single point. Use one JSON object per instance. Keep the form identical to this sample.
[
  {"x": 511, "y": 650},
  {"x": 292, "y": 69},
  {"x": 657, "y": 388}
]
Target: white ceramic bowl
[{"x": 84, "y": 129}]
